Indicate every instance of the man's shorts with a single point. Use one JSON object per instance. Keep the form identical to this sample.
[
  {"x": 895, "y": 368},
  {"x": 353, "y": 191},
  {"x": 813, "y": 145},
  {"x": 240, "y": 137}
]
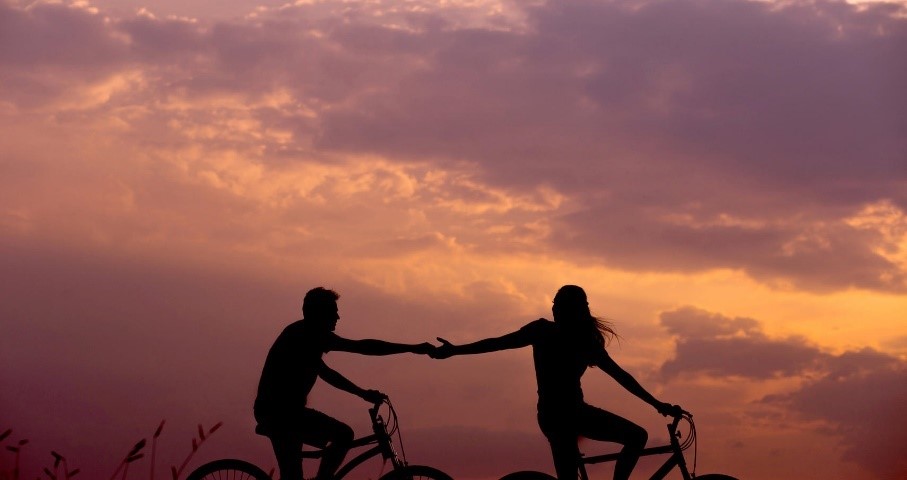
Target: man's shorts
[{"x": 305, "y": 425}]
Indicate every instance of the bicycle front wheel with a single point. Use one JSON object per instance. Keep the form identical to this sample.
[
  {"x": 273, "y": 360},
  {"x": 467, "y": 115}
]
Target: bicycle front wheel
[
  {"x": 715, "y": 476},
  {"x": 416, "y": 472},
  {"x": 228, "y": 469},
  {"x": 527, "y": 475}
]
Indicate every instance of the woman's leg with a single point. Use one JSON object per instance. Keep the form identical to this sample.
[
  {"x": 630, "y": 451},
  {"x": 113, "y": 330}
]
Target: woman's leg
[
  {"x": 562, "y": 436},
  {"x": 565, "y": 453},
  {"x": 598, "y": 424}
]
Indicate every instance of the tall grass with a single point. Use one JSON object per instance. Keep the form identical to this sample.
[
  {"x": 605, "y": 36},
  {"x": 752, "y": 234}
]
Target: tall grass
[
  {"x": 16, "y": 449},
  {"x": 60, "y": 470},
  {"x": 196, "y": 442},
  {"x": 58, "y": 461}
]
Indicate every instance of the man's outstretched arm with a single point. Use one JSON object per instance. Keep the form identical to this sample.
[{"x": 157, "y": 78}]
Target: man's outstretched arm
[
  {"x": 336, "y": 380},
  {"x": 379, "y": 347}
]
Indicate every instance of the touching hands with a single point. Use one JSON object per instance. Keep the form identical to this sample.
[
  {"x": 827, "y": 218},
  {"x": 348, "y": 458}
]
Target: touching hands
[
  {"x": 446, "y": 350},
  {"x": 424, "y": 348}
]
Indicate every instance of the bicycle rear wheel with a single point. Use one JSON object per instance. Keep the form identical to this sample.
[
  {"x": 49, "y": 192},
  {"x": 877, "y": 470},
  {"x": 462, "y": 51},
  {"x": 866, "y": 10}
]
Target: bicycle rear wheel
[
  {"x": 715, "y": 476},
  {"x": 228, "y": 469},
  {"x": 416, "y": 472},
  {"x": 527, "y": 475}
]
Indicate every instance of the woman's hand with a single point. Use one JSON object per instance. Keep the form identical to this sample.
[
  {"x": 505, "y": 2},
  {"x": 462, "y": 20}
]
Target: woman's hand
[
  {"x": 446, "y": 350},
  {"x": 669, "y": 410}
]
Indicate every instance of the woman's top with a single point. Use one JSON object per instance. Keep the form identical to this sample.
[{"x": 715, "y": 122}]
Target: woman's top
[{"x": 559, "y": 364}]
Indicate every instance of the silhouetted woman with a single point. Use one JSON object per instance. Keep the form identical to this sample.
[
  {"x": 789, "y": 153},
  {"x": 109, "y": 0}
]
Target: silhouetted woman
[{"x": 562, "y": 350}]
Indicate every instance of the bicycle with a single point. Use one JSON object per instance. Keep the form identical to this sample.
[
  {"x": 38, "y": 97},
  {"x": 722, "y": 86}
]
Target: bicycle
[
  {"x": 675, "y": 448},
  {"x": 382, "y": 444}
]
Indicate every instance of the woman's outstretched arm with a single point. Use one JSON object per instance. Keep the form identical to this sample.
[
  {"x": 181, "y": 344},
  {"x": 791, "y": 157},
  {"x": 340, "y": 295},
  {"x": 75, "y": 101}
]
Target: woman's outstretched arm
[
  {"x": 609, "y": 366},
  {"x": 517, "y": 339}
]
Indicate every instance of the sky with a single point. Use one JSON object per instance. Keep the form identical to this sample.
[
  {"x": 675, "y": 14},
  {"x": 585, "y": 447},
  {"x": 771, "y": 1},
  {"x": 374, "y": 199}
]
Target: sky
[{"x": 727, "y": 179}]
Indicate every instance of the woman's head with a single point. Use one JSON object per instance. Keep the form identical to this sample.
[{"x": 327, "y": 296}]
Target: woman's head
[
  {"x": 570, "y": 304},
  {"x": 571, "y": 310}
]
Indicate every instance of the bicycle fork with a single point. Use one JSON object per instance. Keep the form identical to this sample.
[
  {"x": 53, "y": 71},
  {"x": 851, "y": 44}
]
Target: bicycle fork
[
  {"x": 387, "y": 445},
  {"x": 675, "y": 460}
]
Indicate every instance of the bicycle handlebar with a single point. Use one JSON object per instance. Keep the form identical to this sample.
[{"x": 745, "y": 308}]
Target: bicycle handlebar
[
  {"x": 677, "y": 413},
  {"x": 373, "y": 411}
]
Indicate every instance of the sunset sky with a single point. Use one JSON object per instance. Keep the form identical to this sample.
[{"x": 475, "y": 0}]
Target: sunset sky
[{"x": 726, "y": 178}]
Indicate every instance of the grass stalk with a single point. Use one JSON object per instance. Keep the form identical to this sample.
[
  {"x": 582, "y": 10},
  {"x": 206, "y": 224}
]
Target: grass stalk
[
  {"x": 196, "y": 443},
  {"x": 157, "y": 433}
]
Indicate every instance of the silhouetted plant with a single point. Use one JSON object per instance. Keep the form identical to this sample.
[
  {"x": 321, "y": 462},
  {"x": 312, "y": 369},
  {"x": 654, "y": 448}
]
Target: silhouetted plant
[
  {"x": 3, "y": 436},
  {"x": 196, "y": 442},
  {"x": 55, "y": 473},
  {"x": 17, "y": 451},
  {"x": 60, "y": 469},
  {"x": 132, "y": 456},
  {"x": 157, "y": 433}
]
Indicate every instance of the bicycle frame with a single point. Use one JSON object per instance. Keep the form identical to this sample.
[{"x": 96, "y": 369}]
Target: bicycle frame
[
  {"x": 675, "y": 460},
  {"x": 383, "y": 446}
]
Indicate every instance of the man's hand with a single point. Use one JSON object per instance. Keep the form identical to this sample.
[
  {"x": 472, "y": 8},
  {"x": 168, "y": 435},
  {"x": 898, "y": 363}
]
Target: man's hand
[
  {"x": 444, "y": 351},
  {"x": 424, "y": 349},
  {"x": 373, "y": 396},
  {"x": 669, "y": 410}
]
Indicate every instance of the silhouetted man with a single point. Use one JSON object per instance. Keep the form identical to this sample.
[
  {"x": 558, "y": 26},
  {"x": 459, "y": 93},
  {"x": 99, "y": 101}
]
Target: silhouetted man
[{"x": 293, "y": 364}]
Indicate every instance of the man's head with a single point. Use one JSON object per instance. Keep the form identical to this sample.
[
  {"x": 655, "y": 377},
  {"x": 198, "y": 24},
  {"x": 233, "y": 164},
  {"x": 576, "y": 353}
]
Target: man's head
[{"x": 320, "y": 306}]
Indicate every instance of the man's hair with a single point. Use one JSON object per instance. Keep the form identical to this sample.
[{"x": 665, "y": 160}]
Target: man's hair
[{"x": 317, "y": 300}]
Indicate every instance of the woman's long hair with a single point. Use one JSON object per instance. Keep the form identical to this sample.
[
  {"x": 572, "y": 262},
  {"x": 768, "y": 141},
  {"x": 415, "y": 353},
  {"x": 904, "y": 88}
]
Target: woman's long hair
[{"x": 571, "y": 309}]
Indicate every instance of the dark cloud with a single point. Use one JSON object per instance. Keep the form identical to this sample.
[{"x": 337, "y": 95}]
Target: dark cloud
[
  {"x": 686, "y": 136},
  {"x": 805, "y": 253},
  {"x": 664, "y": 119},
  {"x": 47, "y": 48},
  {"x": 163, "y": 40},
  {"x": 760, "y": 108},
  {"x": 716, "y": 345},
  {"x": 857, "y": 395},
  {"x": 861, "y": 399},
  {"x": 56, "y": 35}
]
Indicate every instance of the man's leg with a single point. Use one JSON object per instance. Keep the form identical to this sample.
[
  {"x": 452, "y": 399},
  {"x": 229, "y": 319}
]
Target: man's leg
[
  {"x": 598, "y": 424},
  {"x": 286, "y": 449},
  {"x": 334, "y": 436}
]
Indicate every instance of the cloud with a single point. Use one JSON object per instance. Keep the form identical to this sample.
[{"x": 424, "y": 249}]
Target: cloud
[
  {"x": 670, "y": 143},
  {"x": 42, "y": 35},
  {"x": 860, "y": 400},
  {"x": 813, "y": 254},
  {"x": 855, "y": 395},
  {"x": 715, "y": 345},
  {"x": 667, "y": 151}
]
